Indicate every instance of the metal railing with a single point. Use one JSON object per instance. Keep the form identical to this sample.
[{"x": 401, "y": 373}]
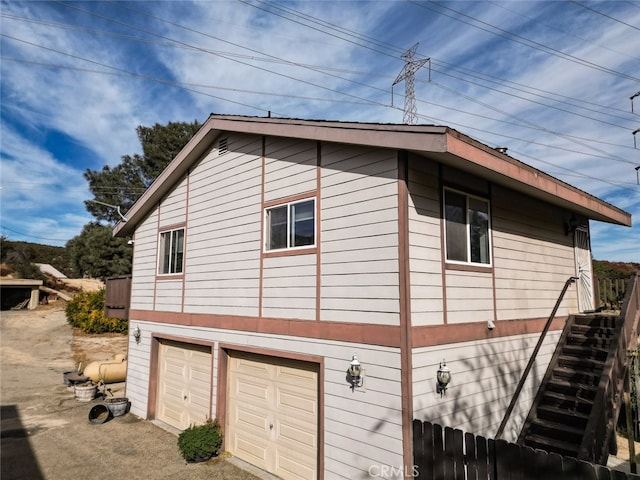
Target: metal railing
[{"x": 532, "y": 359}]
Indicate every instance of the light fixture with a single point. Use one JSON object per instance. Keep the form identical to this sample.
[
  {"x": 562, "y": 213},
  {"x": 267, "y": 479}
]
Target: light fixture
[
  {"x": 444, "y": 377},
  {"x": 354, "y": 373},
  {"x": 136, "y": 334},
  {"x": 571, "y": 226}
]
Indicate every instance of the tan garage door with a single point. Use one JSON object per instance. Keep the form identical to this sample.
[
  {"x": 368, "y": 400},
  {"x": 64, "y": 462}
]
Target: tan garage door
[
  {"x": 184, "y": 384},
  {"x": 272, "y": 419}
]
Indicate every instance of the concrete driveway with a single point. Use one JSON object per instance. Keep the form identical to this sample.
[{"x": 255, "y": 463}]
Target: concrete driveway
[{"x": 46, "y": 433}]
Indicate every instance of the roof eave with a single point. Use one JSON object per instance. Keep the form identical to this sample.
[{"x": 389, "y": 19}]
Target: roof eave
[{"x": 453, "y": 147}]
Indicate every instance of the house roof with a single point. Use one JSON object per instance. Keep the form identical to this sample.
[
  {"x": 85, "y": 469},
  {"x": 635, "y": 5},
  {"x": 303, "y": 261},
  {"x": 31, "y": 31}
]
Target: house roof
[{"x": 438, "y": 142}]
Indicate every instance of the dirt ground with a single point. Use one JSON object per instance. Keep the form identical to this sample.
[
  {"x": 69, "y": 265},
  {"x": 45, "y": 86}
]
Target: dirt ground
[{"x": 46, "y": 432}]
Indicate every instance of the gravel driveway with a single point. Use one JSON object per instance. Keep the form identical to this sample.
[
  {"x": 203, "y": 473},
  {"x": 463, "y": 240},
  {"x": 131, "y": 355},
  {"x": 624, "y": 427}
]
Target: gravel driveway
[{"x": 46, "y": 433}]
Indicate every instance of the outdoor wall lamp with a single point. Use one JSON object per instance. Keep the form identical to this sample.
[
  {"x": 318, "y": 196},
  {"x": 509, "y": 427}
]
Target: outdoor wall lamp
[
  {"x": 571, "y": 225},
  {"x": 355, "y": 373},
  {"x": 136, "y": 334},
  {"x": 443, "y": 377}
]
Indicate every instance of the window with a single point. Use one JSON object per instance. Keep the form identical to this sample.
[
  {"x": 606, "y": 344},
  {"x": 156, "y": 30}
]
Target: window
[
  {"x": 171, "y": 251},
  {"x": 466, "y": 228},
  {"x": 291, "y": 225}
]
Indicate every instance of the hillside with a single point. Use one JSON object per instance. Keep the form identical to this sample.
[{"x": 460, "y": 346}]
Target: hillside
[{"x": 37, "y": 253}]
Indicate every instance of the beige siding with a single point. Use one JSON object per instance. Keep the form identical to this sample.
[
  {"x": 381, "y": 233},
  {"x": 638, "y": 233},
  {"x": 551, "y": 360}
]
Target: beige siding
[
  {"x": 373, "y": 435},
  {"x": 290, "y": 167},
  {"x": 532, "y": 257},
  {"x": 484, "y": 377},
  {"x": 173, "y": 208},
  {"x": 289, "y": 287},
  {"x": 424, "y": 244},
  {"x": 223, "y": 238},
  {"x": 469, "y": 296},
  {"x": 169, "y": 295},
  {"x": 359, "y": 271},
  {"x": 144, "y": 263}
]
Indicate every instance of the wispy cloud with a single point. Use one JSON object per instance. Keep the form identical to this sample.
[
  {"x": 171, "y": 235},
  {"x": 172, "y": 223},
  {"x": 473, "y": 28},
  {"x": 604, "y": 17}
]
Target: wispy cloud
[{"x": 550, "y": 80}]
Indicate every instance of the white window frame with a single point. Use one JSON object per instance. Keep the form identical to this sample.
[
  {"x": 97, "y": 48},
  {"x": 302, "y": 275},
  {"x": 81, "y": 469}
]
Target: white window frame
[
  {"x": 467, "y": 229},
  {"x": 173, "y": 252},
  {"x": 288, "y": 205}
]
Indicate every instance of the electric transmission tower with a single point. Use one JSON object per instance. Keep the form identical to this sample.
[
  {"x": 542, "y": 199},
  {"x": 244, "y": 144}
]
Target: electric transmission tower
[{"x": 411, "y": 66}]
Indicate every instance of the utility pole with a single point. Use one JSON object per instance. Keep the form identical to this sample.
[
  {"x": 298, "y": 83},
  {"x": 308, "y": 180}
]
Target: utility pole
[{"x": 411, "y": 66}]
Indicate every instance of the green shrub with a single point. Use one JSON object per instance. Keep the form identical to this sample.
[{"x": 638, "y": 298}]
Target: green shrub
[
  {"x": 86, "y": 312},
  {"x": 200, "y": 441}
]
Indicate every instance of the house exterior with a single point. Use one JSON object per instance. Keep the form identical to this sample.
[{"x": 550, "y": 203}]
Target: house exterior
[{"x": 271, "y": 251}]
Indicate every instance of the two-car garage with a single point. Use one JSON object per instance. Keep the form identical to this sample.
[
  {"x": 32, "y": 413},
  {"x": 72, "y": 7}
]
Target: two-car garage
[{"x": 271, "y": 405}]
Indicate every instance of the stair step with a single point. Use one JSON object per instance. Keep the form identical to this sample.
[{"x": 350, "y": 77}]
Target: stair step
[
  {"x": 587, "y": 364},
  {"x": 562, "y": 416},
  {"x": 570, "y": 403},
  {"x": 592, "y": 332},
  {"x": 569, "y": 433},
  {"x": 584, "y": 351},
  {"x": 582, "y": 340},
  {"x": 606, "y": 321},
  {"x": 568, "y": 388},
  {"x": 552, "y": 445},
  {"x": 572, "y": 375}
]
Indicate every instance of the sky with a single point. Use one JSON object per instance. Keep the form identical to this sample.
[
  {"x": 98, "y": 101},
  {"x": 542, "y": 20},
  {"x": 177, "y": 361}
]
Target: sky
[{"x": 552, "y": 81}]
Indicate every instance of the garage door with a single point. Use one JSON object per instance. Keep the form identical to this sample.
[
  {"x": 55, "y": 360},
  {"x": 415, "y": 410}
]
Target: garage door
[
  {"x": 184, "y": 384},
  {"x": 272, "y": 419}
]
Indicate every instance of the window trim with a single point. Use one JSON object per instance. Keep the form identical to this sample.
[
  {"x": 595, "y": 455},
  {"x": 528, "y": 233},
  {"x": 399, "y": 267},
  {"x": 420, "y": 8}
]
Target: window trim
[
  {"x": 170, "y": 230},
  {"x": 468, "y": 263},
  {"x": 289, "y": 250}
]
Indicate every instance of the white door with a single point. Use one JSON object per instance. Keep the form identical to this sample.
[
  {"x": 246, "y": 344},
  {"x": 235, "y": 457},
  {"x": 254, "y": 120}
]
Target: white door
[
  {"x": 184, "y": 384},
  {"x": 584, "y": 269},
  {"x": 272, "y": 419}
]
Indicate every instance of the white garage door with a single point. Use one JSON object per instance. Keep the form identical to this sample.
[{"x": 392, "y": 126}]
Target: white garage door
[
  {"x": 272, "y": 419},
  {"x": 184, "y": 384}
]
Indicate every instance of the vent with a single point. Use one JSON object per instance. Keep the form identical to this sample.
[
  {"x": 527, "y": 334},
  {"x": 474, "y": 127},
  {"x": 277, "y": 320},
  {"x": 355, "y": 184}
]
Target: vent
[{"x": 223, "y": 146}]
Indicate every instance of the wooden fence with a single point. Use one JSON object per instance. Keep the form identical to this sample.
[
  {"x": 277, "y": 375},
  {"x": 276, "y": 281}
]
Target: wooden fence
[
  {"x": 118, "y": 297},
  {"x": 450, "y": 454}
]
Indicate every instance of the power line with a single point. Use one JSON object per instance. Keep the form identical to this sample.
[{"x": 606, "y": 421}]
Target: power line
[
  {"x": 33, "y": 236},
  {"x": 514, "y": 37},
  {"x": 604, "y": 15}
]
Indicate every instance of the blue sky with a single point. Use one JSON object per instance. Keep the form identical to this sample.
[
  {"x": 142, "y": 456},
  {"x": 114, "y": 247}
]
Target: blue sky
[{"x": 552, "y": 81}]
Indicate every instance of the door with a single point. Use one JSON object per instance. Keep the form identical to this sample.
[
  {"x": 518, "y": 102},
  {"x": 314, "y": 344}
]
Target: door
[
  {"x": 272, "y": 419},
  {"x": 184, "y": 384},
  {"x": 584, "y": 269}
]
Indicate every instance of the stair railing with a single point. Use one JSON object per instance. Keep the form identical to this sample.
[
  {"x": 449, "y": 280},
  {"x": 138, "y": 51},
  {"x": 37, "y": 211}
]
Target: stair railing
[
  {"x": 606, "y": 406},
  {"x": 532, "y": 359}
]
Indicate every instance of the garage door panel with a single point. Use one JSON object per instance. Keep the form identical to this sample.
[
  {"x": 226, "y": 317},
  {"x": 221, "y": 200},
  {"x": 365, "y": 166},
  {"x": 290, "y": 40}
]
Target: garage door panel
[
  {"x": 297, "y": 377},
  {"x": 251, "y": 420},
  {"x": 296, "y": 402},
  {"x": 184, "y": 384},
  {"x": 252, "y": 390},
  {"x": 273, "y": 409},
  {"x": 290, "y": 467},
  {"x": 251, "y": 367},
  {"x": 252, "y": 451},
  {"x": 297, "y": 435}
]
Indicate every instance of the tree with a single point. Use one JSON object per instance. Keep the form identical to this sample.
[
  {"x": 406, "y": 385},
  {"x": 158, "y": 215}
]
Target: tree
[
  {"x": 20, "y": 258},
  {"x": 96, "y": 253},
  {"x": 123, "y": 184}
]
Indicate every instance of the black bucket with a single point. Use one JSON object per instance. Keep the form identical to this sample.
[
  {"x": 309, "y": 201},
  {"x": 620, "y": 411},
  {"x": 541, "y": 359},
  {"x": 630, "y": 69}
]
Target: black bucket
[{"x": 99, "y": 413}]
